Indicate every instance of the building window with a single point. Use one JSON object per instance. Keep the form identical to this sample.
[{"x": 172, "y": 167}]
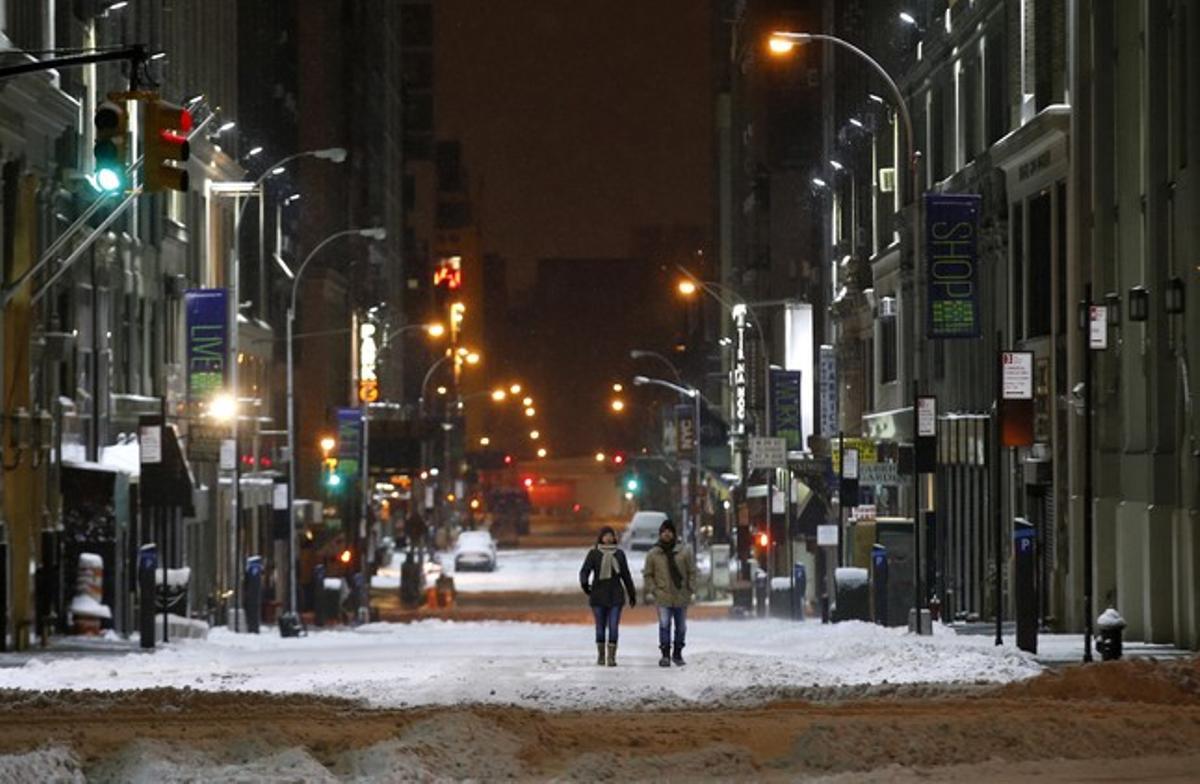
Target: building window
[
  {"x": 995, "y": 86},
  {"x": 887, "y": 349},
  {"x": 1040, "y": 263}
]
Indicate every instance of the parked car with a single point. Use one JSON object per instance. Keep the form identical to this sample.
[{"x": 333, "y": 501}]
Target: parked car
[
  {"x": 475, "y": 550},
  {"x": 642, "y": 531}
]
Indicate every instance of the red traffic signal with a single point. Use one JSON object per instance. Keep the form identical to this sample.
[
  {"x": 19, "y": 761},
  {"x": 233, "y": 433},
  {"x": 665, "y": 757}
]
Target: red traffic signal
[
  {"x": 165, "y": 129},
  {"x": 762, "y": 539}
]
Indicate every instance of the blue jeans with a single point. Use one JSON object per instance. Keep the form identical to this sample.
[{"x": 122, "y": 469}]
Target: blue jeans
[
  {"x": 607, "y": 618},
  {"x": 665, "y": 616}
]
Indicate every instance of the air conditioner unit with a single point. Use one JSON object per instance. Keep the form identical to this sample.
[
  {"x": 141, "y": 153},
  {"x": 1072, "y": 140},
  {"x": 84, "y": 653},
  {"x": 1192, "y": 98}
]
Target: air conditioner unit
[
  {"x": 887, "y": 180},
  {"x": 887, "y": 307}
]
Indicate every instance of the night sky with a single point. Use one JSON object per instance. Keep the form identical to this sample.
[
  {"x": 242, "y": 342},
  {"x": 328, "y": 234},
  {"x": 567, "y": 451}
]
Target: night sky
[{"x": 580, "y": 119}]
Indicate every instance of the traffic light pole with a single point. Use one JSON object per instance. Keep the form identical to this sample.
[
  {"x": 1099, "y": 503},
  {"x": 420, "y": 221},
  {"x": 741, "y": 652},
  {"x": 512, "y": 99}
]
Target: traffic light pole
[{"x": 136, "y": 55}]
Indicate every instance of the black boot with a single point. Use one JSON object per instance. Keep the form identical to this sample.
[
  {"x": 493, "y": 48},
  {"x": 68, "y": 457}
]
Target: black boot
[
  {"x": 677, "y": 655},
  {"x": 600, "y": 653},
  {"x": 665, "y": 661}
]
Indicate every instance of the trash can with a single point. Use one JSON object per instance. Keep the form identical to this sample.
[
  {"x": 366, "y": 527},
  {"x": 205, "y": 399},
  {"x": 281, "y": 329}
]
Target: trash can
[
  {"x": 781, "y": 597},
  {"x": 851, "y": 594},
  {"x": 1111, "y": 628},
  {"x": 760, "y": 593}
]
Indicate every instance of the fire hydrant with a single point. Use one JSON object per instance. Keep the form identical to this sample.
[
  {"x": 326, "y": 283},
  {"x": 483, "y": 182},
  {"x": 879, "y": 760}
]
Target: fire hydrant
[{"x": 1111, "y": 627}]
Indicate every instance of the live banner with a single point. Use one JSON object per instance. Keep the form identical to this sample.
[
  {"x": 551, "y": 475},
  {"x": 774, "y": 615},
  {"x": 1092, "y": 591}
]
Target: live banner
[{"x": 207, "y": 346}]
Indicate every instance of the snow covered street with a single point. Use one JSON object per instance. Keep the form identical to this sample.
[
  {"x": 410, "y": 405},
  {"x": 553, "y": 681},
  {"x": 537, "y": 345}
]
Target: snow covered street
[
  {"x": 542, "y": 666},
  {"x": 539, "y": 570}
]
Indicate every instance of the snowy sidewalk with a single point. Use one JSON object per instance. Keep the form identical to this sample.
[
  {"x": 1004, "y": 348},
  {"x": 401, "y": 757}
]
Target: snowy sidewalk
[{"x": 542, "y": 666}]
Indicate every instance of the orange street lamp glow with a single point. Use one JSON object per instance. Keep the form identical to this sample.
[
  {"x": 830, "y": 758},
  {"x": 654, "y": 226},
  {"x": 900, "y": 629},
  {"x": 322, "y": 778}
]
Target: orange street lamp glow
[
  {"x": 441, "y": 390},
  {"x": 618, "y": 405},
  {"x": 542, "y": 452},
  {"x": 527, "y": 402},
  {"x": 687, "y": 288},
  {"x": 484, "y": 441},
  {"x": 535, "y": 435},
  {"x": 515, "y": 389},
  {"x": 618, "y": 387},
  {"x": 530, "y": 411},
  {"x": 780, "y": 45},
  {"x": 498, "y": 395},
  {"x": 472, "y": 358},
  {"x": 600, "y": 457},
  {"x": 435, "y": 330}
]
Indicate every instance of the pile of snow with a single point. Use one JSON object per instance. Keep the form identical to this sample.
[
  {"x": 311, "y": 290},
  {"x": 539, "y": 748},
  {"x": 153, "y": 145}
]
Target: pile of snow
[
  {"x": 543, "y": 666},
  {"x": 850, "y": 576}
]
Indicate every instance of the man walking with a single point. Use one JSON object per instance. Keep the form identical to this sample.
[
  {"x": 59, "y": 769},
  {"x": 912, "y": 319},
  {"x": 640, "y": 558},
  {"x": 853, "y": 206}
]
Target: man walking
[{"x": 669, "y": 579}]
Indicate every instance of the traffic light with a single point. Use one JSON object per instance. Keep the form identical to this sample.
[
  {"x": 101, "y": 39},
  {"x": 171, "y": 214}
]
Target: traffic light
[
  {"x": 333, "y": 479},
  {"x": 112, "y": 129},
  {"x": 165, "y": 128},
  {"x": 632, "y": 483}
]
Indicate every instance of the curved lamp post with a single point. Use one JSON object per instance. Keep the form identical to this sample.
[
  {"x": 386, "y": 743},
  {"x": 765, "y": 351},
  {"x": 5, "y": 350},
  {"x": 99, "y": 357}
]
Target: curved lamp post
[{"x": 374, "y": 234}]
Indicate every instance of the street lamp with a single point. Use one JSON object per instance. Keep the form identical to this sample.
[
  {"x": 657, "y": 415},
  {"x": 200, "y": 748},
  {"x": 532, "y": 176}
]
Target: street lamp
[
  {"x": 694, "y": 394},
  {"x": 617, "y": 405},
  {"x": 638, "y": 353},
  {"x": 375, "y": 233}
]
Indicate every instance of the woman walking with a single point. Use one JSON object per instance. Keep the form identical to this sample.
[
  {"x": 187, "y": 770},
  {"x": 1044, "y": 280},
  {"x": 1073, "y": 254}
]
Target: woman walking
[{"x": 604, "y": 571}]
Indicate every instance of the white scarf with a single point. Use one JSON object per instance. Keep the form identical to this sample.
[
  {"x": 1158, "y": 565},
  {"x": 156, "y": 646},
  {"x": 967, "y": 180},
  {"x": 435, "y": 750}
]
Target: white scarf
[{"x": 607, "y": 560}]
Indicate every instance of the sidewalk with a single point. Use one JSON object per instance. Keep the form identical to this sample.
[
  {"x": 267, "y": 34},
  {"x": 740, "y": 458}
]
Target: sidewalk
[
  {"x": 70, "y": 647},
  {"x": 1059, "y": 650}
]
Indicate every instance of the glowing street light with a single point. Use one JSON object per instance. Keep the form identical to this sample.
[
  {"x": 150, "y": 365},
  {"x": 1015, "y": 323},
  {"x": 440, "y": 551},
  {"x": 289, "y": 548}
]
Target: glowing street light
[
  {"x": 617, "y": 405},
  {"x": 484, "y": 441},
  {"x": 436, "y": 330},
  {"x": 515, "y": 389},
  {"x": 441, "y": 390},
  {"x": 542, "y": 452},
  {"x": 223, "y": 408},
  {"x": 601, "y": 457},
  {"x": 498, "y": 395},
  {"x": 535, "y": 434},
  {"x": 687, "y": 287},
  {"x": 527, "y": 402},
  {"x": 530, "y": 411},
  {"x": 780, "y": 45},
  {"x": 618, "y": 387},
  {"x": 473, "y": 358},
  {"x": 327, "y": 444}
]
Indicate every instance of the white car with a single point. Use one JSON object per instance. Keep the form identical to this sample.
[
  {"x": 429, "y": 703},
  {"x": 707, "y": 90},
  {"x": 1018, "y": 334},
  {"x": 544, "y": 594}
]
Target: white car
[
  {"x": 475, "y": 550},
  {"x": 642, "y": 532}
]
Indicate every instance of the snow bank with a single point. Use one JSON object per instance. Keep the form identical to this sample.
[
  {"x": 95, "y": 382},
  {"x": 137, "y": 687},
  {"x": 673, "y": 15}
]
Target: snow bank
[
  {"x": 850, "y": 576},
  {"x": 538, "y": 570},
  {"x": 542, "y": 666}
]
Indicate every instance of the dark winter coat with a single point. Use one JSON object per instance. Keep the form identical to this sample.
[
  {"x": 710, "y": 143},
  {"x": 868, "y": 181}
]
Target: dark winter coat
[{"x": 606, "y": 593}]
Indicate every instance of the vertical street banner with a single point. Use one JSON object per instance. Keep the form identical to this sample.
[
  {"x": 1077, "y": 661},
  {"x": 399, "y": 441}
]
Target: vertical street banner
[
  {"x": 952, "y": 256},
  {"x": 685, "y": 429},
  {"x": 828, "y": 383},
  {"x": 786, "y": 408},
  {"x": 349, "y": 440},
  {"x": 207, "y": 319}
]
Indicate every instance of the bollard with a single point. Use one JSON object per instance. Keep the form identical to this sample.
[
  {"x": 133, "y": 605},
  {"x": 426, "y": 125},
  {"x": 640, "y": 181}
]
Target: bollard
[
  {"x": 252, "y": 593},
  {"x": 760, "y": 593},
  {"x": 1111, "y": 627}
]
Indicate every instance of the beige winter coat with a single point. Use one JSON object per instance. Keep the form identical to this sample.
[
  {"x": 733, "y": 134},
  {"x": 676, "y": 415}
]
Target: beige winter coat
[{"x": 656, "y": 577}]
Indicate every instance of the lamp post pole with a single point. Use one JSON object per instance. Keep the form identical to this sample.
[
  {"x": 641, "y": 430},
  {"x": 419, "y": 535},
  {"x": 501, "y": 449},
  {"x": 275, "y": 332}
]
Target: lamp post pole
[
  {"x": 337, "y": 155},
  {"x": 376, "y": 234},
  {"x": 694, "y": 394}
]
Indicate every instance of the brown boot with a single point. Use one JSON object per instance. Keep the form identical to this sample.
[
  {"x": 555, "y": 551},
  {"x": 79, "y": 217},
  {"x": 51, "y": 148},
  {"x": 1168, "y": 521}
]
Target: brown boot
[
  {"x": 600, "y": 654},
  {"x": 612, "y": 654}
]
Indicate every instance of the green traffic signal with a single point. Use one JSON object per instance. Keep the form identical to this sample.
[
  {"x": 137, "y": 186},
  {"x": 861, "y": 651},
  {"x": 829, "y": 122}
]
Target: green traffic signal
[
  {"x": 334, "y": 480},
  {"x": 109, "y": 149},
  {"x": 632, "y": 484}
]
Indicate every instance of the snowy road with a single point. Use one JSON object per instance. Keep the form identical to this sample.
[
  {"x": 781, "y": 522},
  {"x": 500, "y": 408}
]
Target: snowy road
[
  {"x": 542, "y": 666},
  {"x": 539, "y": 570}
]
